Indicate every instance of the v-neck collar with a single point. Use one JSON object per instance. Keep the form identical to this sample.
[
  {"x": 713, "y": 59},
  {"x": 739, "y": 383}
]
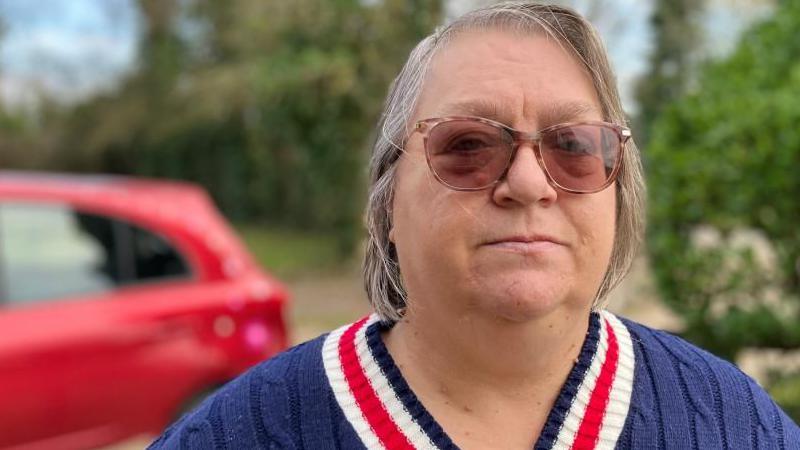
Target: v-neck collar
[{"x": 589, "y": 412}]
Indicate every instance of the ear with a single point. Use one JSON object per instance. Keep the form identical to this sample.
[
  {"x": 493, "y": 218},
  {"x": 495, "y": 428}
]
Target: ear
[{"x": 391, "y": 235}]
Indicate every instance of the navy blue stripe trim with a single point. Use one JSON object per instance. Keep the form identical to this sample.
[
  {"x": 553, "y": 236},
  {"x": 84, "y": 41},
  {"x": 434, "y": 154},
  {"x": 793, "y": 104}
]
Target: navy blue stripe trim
[
  {"x": 564, "y": 401},
  {"x": 402, "y": 390},
  {"x": 643, "y": 356}
]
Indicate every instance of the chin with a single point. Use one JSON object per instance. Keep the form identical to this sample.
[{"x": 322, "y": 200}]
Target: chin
[
  {"x": 524, "y": 289},
  {"x": 522, "y": 301},
  {"x": 520, "y": 313}
]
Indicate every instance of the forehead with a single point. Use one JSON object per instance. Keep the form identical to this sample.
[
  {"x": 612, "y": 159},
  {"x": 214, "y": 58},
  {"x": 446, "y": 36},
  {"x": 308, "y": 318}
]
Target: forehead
[{"x": 508, "y": 77}]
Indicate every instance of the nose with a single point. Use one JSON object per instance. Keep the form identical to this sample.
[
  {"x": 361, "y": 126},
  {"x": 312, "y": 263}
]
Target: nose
[{"x": 525, "y": 181}]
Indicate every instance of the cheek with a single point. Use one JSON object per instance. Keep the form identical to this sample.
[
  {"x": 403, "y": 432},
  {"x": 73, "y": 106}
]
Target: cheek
[
  {"x": 414, "y": 211},
  {"x": 596, "y": 225},
  {"x": 430, "y": 222},
  {"x": 424, "y": 210},
  {"x": 432, "y": 226},
  {"x": 412, "y": 195}
]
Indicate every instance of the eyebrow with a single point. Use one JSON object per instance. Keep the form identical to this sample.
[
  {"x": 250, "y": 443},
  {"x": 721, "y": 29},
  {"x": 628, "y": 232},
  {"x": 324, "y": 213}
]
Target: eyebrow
[
  {"x": 567, "y": 111},
  {"x": 487, "y": 109}
]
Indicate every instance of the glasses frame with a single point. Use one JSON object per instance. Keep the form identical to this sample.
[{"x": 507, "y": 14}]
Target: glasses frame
[{"x": 519, "y": 138}]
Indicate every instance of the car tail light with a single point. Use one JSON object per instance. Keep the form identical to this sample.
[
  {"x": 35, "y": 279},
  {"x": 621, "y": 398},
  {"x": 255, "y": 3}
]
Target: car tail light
[{"x": 258, "y": 337}]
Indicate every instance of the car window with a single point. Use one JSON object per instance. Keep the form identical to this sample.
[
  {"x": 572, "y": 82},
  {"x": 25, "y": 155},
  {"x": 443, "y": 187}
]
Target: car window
[
  {"x": 52, "y": 251},
  {"x": 154, "y": 258}
]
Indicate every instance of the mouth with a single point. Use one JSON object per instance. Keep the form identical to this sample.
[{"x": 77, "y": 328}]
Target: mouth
[{"x": 526, "y": 244}]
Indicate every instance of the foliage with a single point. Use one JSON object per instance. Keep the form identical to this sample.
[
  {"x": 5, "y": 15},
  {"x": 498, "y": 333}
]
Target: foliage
[
  {"x": 722, "y": 164},
  {"x": 676, "y": 36},
  {"x": 786, "y": 392},
  {"x": 269, "y": 104},
  {"x": 22, "y": 145}
]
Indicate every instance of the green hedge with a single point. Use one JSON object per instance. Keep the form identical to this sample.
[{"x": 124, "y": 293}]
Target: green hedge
[
  {"x": 724, "y": 161},
  {"x": 786, "y": 392}
]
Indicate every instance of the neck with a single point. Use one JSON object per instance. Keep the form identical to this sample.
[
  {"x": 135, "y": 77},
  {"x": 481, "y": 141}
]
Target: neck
[{"x": 488, "y": 359}]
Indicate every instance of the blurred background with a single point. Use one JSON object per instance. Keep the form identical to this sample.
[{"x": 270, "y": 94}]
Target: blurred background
[{"x": 266, "y": 109}]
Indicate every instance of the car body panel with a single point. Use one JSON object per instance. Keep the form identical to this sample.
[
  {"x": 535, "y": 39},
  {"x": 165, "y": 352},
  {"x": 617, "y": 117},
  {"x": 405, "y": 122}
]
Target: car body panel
[{"x": 90, "y": 369}]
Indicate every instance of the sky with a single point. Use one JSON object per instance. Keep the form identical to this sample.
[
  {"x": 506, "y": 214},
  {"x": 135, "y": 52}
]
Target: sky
[
  {"x": 69, "y": 48},
  {"x": 74, "y": 48}
]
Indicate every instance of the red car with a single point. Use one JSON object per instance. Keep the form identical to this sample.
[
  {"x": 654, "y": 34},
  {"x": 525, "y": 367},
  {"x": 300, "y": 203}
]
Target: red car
[{"x": 122, "y": 302}]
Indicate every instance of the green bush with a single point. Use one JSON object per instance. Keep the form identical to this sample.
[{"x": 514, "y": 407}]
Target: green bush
[
  {"x": 723, "y": 163},
  {"x": 786, "y": 391}
]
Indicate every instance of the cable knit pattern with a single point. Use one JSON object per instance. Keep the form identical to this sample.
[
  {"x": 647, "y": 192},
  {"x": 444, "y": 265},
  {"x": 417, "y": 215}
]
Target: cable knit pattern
[{"x": 631, "y": 388}]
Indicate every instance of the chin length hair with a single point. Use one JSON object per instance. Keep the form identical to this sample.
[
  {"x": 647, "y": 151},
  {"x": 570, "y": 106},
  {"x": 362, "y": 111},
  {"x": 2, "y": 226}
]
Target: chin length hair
[{"x": 382, "y": 278}]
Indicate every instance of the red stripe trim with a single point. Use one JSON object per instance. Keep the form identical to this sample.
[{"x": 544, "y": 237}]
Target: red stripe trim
[
  {"x": 366, "y": 398},
  {"x": 589, "y": 430}
]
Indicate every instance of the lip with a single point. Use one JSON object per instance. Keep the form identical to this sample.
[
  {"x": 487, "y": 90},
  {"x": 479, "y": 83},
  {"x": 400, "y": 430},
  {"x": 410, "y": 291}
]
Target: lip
[{"x": 526, "y": 244}]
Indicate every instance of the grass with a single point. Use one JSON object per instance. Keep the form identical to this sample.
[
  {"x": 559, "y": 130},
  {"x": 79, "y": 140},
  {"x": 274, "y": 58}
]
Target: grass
[{"x": 291, "y": 253}]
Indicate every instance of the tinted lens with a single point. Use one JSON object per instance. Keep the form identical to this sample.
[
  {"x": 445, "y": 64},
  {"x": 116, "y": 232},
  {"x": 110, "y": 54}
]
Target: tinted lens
[
  {"x": 581, "y": 157},
  {"x": 467, "y": 154}
]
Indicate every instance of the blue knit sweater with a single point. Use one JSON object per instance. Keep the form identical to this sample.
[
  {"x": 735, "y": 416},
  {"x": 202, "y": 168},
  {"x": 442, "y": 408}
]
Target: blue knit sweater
[{"x": 631, "y": 388}]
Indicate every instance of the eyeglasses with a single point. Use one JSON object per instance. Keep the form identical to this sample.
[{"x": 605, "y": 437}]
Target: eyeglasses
[{"x": 473, "y": 153}]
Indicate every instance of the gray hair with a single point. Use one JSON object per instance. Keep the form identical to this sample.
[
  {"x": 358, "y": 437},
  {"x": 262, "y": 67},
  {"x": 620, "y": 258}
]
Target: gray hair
[{"x": 382, "y": 278}]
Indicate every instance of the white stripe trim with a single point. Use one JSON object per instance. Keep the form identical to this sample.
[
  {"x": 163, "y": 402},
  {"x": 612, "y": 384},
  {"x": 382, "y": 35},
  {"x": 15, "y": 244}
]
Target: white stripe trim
[
  {"x": 621, "y": 387},
  {"x": 387, "y": 395},
  {"x": 341, "y": 390},
  {"x": 611, "y": 425},
  {"x": 574, "y": 417}
]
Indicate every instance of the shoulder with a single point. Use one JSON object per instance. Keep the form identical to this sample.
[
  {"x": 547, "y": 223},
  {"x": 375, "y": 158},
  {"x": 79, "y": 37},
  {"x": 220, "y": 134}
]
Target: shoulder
[
  {"x": 259, "y": 409},
  {"x": 685, "y": 393}
]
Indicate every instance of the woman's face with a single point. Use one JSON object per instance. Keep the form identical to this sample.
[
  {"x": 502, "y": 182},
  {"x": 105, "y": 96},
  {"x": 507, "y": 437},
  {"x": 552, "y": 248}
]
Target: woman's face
[{"x": 521, "y": 249}]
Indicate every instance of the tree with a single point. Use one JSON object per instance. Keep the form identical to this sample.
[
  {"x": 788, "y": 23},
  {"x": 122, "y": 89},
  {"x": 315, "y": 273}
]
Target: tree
[
  {"x": 723, "y": 189},
  {"x": 677, "y": 36},
  {"x": 269, "y": 104},
  {"x": 12, "y": 129}
]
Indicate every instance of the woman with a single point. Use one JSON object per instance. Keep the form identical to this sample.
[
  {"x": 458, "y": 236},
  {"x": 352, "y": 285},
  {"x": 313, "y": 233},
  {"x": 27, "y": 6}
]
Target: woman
[{"x": 506, "y": 201}]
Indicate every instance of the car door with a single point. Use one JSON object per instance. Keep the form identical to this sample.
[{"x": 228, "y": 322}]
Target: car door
[{"x": 65, "y": 354}]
